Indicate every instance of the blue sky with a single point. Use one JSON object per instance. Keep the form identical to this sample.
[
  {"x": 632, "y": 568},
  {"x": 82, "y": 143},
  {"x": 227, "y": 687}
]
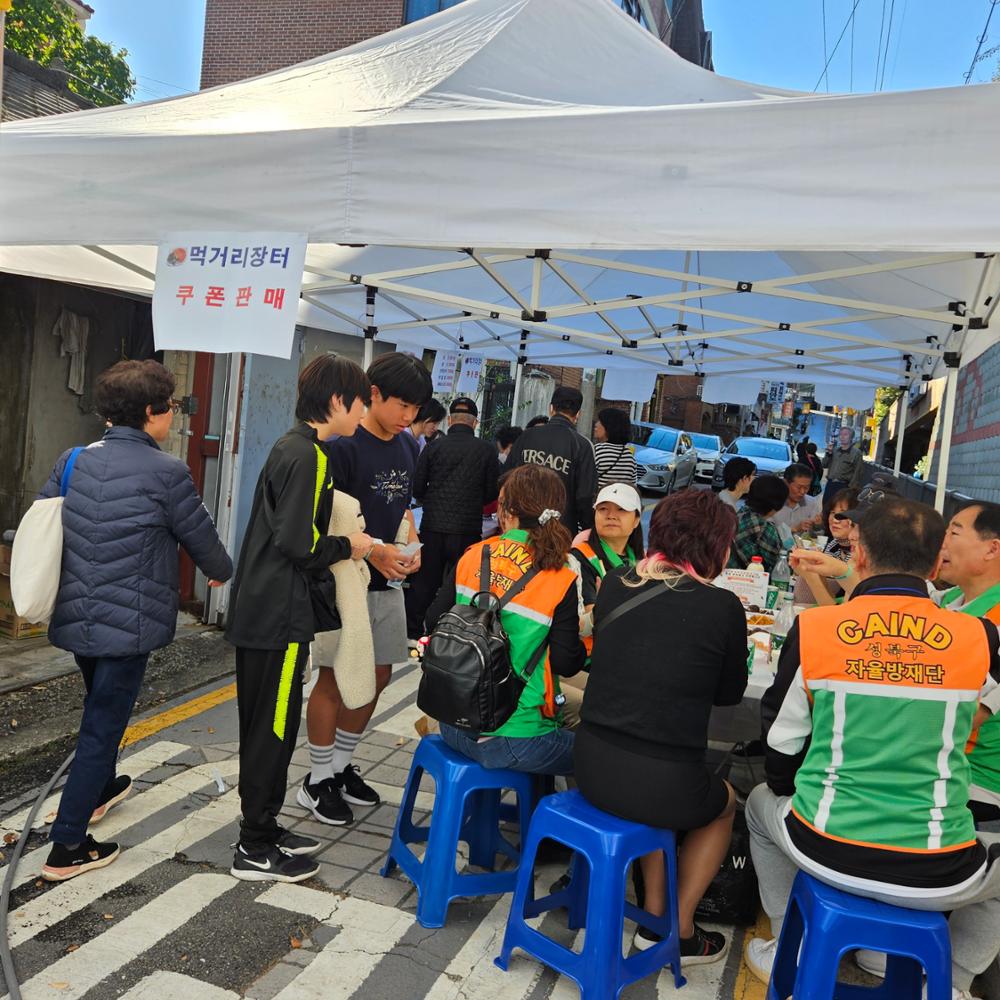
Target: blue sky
[
  {"x": 776, "y": 42},
  {"x": 780, "y": 42}
]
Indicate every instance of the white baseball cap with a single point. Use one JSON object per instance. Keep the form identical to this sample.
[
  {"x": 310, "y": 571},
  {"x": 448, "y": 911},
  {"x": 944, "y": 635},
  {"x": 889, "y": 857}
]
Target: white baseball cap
[{"x": 627, "y": 497}]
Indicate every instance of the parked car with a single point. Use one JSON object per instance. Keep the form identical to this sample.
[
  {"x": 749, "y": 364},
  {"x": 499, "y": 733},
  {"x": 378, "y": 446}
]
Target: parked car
[
  {"x": 767, "y": 454},
  {"x": 665, "y": 457},
  {"x": 709, "y": 448}
]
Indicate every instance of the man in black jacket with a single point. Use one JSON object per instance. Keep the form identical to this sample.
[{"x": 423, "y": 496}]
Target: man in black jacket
[
  {"x": 282, "y": 596},
  {"x": 559, "y": 447},
  {"x": 456, "y": 477}
]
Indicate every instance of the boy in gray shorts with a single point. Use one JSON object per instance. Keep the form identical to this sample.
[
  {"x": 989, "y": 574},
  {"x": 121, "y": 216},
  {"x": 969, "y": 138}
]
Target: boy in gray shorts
[{"x": 376, "y": 466}]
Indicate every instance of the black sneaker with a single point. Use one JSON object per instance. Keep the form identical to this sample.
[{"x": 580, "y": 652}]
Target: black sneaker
[
  {"x": 114, "y": 791},
  {"x": 325, "y": 802},
  {"x": 272, "y": 865},
  {"x": 702, "y": 948},
  {"x": 354, "y": 789},
  {"x": 295, "y": 843},
  {"x": 64, "y": 862}
]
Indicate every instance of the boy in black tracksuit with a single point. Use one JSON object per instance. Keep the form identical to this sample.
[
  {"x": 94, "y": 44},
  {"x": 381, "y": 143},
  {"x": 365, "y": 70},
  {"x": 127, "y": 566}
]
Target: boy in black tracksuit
[{"x": 282, "y": 595}]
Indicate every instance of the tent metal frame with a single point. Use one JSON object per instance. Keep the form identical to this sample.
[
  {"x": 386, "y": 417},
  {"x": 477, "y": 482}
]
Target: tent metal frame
[{"x": 670, "y": 347}]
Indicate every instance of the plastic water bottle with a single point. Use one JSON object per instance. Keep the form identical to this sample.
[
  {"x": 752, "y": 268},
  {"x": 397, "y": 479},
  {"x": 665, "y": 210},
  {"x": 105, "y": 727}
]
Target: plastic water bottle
[
  {"x": 783, "y": 621},
  {"x": 781, "y": 575}
]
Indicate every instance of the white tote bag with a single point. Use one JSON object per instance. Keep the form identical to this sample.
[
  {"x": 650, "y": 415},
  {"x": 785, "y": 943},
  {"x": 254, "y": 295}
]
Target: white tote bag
[{"x": 36, "y": 558}]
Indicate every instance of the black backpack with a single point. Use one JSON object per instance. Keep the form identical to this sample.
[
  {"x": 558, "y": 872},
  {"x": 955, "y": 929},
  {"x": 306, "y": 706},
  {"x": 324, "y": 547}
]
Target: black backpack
[{"x": 468, "y": 680}]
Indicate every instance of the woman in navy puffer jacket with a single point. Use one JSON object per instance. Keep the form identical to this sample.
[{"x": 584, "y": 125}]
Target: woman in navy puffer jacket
[{"x": 127, "y": 507}]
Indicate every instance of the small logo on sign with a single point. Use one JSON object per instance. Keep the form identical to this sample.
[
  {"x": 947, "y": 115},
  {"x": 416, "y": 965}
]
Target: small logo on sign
[{"x": 177, "y": 256}]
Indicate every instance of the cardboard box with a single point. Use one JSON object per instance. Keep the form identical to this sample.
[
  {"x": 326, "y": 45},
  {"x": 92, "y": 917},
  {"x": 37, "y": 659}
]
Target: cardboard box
[
  {"x": 12, "y": 625},
  {"x": 5, "y": 551}
]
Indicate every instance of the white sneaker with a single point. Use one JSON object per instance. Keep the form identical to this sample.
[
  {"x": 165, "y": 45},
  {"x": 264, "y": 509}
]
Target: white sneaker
[
  {"x": 873, "y": 962},
  {"x": 759, "y": 957}
]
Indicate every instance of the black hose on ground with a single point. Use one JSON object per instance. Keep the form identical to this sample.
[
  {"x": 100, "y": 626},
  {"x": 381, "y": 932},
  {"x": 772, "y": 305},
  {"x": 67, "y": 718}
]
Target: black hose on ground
[{"x": 7, "y": 963}]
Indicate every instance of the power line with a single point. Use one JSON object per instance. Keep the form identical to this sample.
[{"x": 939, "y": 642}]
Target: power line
[
  {"x": 878, "y": 50},
  {"x": 899, "y": 41},
  {"x": 982, "y": 39},
  {"x": 826, "y": 58},
  {"x": 852, "y": 47},
  {"x": 172, "y": 86},
  {"x": 840, "y": 38},
  {"x": 888, "y": 39}
]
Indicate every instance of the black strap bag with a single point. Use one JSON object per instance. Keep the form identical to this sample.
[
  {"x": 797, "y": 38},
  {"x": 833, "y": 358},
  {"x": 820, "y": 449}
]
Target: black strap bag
[{"x": 468, "y": 680}]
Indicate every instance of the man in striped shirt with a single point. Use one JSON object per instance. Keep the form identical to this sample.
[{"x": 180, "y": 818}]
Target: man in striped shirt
[{"x": 865, "y": 731}]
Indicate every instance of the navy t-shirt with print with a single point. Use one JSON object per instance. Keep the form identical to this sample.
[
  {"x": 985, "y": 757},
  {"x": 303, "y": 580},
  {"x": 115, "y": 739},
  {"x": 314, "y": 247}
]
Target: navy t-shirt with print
[{"x": 379, "y": 475}]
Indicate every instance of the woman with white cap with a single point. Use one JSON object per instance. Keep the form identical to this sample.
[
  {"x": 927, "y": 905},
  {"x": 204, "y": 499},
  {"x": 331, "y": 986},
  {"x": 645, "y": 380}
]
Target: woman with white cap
[{"x": 614, "y": 541}]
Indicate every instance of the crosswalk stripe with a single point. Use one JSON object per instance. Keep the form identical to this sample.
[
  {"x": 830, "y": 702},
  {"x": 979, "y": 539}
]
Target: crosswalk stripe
[
  {"x": 401, "y": 722},
  {"x": 471, "y": 973},
  {"x": 136, "y": 765},
  {"x": 175, "y": 986},
  {"x": 67, "y": 897},
  {"x": 73, "y": 975},
  {"x": 398, "y": 690},
  {"x": 367, "y": 933},
  {"x": 139, "y": 807}
]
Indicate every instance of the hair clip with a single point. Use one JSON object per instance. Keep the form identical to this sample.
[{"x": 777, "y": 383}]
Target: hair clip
[{"x": 547, "y": 515}]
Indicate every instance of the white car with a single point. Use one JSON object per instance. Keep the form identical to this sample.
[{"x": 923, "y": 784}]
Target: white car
[
  {"x": 709, "y": 448},
  {"x": 664, "y": 456}
]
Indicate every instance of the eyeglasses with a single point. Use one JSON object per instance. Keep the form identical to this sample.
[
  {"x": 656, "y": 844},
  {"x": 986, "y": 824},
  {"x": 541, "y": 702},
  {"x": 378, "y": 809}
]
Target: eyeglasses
[{"x": 170, "y": 406}]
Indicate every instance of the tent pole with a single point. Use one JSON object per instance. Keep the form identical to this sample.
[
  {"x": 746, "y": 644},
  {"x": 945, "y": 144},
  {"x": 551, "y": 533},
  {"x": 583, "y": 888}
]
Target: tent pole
[
  {"x": 522, "y": 358},
  {"x": 4, "y": 7},
  {"x": 947, "y": 423},
  {"x": 902, "y": 413},
  {"x": 515, "y": 402},
  {"x": 370, "y": 328}
]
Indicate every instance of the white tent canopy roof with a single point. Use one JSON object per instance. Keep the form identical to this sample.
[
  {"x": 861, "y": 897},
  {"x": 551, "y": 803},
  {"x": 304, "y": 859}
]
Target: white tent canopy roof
[{"x": 516, "y": 165}]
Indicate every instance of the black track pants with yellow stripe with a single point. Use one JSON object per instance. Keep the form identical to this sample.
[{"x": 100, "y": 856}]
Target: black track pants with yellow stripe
[{"x": 269, "y": 697}]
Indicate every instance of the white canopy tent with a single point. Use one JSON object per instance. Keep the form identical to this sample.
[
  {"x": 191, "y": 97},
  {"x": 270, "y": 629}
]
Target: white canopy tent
[{"x": 542, "y": 180}]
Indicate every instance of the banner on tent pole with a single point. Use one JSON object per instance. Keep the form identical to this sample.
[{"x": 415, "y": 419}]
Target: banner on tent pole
[
  {"x": 228, "y": 292},
  {"x": 443, "y": 372},
  {"x": 776, "y": 392},
  {"x": 468, "y": 379}
]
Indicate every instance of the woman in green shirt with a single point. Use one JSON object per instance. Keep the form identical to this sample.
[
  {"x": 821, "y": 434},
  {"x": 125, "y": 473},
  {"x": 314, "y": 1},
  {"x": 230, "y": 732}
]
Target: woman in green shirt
[{"x": 615, "y": 540}]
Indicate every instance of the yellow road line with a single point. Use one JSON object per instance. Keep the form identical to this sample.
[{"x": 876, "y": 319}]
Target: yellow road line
[
  {"x": 140, "y": 730},
  {"x": 748, "y": 986}
]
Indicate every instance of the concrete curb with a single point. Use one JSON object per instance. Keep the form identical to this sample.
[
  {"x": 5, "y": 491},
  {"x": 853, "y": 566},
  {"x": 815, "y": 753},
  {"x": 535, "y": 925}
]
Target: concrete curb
[{"x": 48, "y": 714}]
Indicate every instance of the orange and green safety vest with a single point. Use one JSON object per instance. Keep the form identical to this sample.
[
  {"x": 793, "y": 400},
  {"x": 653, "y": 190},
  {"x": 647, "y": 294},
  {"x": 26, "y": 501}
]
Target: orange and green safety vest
[
  {"x": 984, "y": 745},
  {"x": 894, "y": 684},
  {"x": 527, "y": 621}
]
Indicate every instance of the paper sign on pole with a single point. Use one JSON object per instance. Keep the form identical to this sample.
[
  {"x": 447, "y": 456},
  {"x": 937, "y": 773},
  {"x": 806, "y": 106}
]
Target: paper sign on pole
[
  {"x": 776, "y": 392},
  {"x": 228, "y": 292},
  {"x": 634, "y": 386},
  {"x": 443, "y": 372},
  {"x": 468, "y": 379}
]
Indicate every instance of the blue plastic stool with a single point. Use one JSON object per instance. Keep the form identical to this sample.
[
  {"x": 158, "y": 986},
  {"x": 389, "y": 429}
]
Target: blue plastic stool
[
  {"x": 466, "y": 808},
  {"x": 829, "y": 923},
  {"x": 604, "y": 848}
]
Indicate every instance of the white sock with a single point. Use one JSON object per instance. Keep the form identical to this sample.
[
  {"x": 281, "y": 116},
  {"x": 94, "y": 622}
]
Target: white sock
[
  {"x": 321, "y": 763},
  {"x": 343, "y": 749}
]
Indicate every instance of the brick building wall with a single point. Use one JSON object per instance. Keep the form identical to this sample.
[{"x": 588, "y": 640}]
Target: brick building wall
[
  {"x": 975, "y": 442},
  {"x": 677, "y": 403},
  {"x": 245, "y": 38}
]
